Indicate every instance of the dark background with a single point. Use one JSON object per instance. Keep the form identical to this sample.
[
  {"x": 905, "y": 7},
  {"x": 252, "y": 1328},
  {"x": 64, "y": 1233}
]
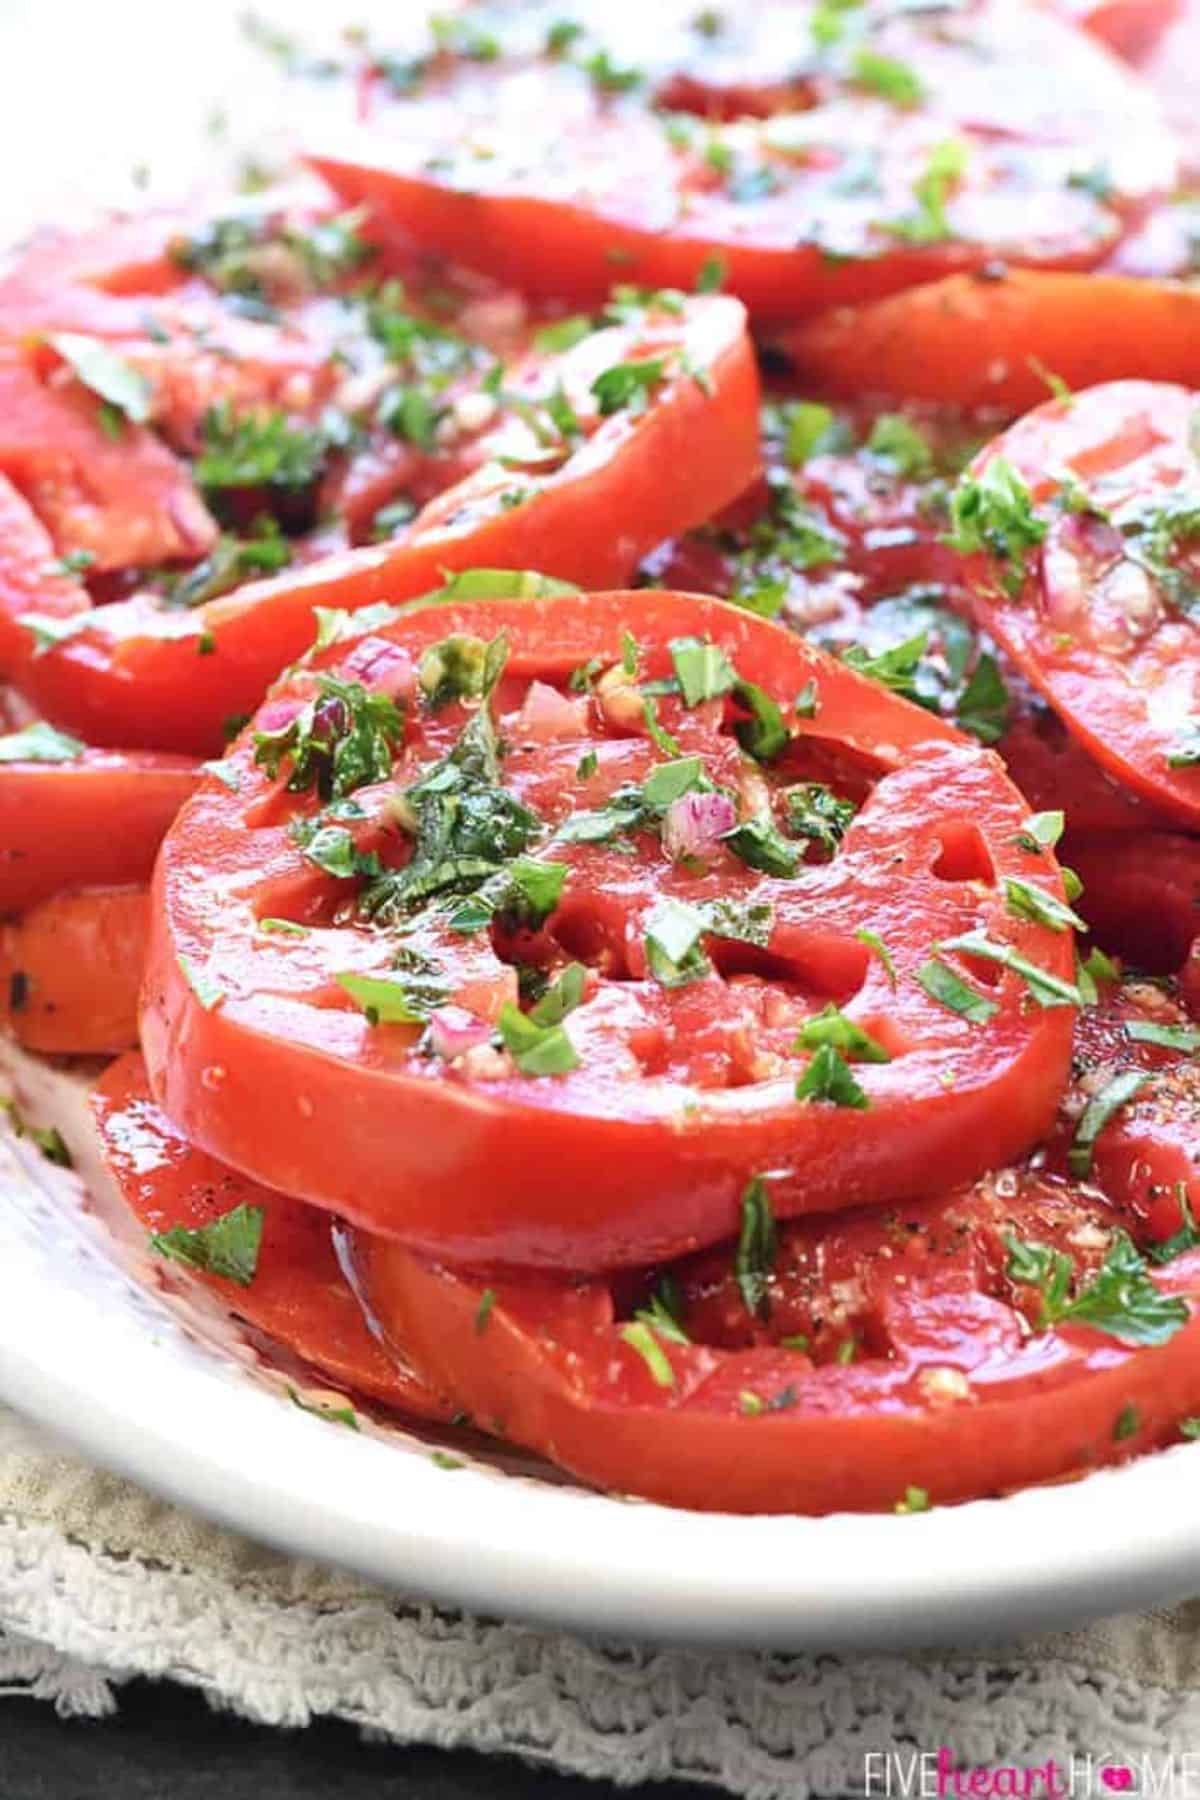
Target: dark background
[{"x": 166, "y": 1744}]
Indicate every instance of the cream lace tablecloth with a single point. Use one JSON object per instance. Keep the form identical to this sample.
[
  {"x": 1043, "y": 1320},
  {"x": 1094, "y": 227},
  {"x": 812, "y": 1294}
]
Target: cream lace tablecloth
[{"x": 99, "y": 1582}]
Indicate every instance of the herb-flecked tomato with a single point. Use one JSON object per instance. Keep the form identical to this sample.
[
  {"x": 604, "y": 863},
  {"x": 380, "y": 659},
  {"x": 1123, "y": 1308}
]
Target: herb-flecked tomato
[
  {"x": 267, "y": 1257},
  {"x": 71, "y": 816},
  {"x": 553, "y": 919},
  {"x": 926, "y": 151},
  {"x": 71, "y": 969},
  {"x": 895, "y": 1357},
  {"x": 636, "y": 432},
  {"x": 1083, "y": 524},
  {"x": 1131, "y": 1116},
  {"x": 994, "y": 337}
]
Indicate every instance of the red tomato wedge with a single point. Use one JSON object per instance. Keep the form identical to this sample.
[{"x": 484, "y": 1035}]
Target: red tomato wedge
[
  {"x": 655, "y": 452},
  {"x": 118, "y": 495},
  {"x": 31, "y": 577},
  {"x": 991, "y": 339},
  {"x": 536, "y": 175},
  {"x": 297, "y": 1294},
  {"x": 71, "y": 969},
  {"x": 683, "y": 926},
  {"x": 1086, "y": 517},
  {"x": 896, "y": 1357},
  {"x": 70, "y": 815}
]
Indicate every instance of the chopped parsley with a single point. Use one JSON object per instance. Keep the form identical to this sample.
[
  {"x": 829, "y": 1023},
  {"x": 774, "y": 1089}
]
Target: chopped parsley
[
  {"x": 228, "y": 1247},
  {"x": 627, "y": 386},
  {"x": 257, "y": 450},
  {"x": 1120, "y": 1299},
  {"x": 815, "y": 812},
  {"x": 993, "y": 513},
  {"x": 930, "y": 223}
]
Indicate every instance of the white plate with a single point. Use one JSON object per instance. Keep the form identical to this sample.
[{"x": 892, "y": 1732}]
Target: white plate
[
  {"x": 150, "y": 1380},
  {"x": 131, "y": 1362}
]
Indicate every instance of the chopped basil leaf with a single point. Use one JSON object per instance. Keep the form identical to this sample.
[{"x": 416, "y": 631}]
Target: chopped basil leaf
[
  {"x": 711, "y": 275},
  {"x": 983, "y": 706},
  {"x": 930, "y": 224},
  {"x": 764, "y": 734},
  {"x": 831, "y": 1026},
  {"x": 1167, "y": 1037},
  {"x": 1041, "y": 831},
  {"x": 628, "y": 386},
  {"x": 536, "y": 1049},
  {"x": 884, "y": 75},
  {"x": 703, "y": 670},
  {"x": 807, "y": 428},
  {"x": 896, "y": 440},
  {"x": 563, "y": 334},
  {"x": 877, "y": 947},
  {"x": 108, "y": 375},
  {"x": 640, "y": 1337},
  {"x": 815, "y": 812},
  {"x": 483, "y": 1311},
  {"x": 228, "y": 1246},
  {"x": 661, "y": 738},
  {"x": 385, "y": 1002},
  {"x": 673, "y": 933},
  {"x": 942, "y": 984},
  {"x": 40, "y": 743},
  {"x": 757, "y": 1247},
  {"x": 1127, "y": 1423},
  {"x": 894, "y": 669},
  {"x": 332, "y": 1415},
  {"x": 993, "y": 513},
  {"x": 332, "y": 849},
  {"x": 561, "y": 997},
  {"x": 1047, "y": 989},
  {"x": 761, "y": 846},
  {"x": 670, "y": 780},
  {"x": 343, "y": 739},
  {"x": 1027, "y": 901},
  {"x": 829, "y": 1077},
  {"x": 1096, "y": 1115}
]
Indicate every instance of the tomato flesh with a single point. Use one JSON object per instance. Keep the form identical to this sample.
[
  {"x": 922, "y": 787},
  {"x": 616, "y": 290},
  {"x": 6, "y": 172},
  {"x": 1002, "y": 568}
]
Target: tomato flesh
[{"x": 71, "y": 969}]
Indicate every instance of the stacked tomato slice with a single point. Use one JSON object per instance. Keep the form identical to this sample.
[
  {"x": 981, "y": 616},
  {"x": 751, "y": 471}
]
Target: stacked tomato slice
[{"x": 644, "y": 860}]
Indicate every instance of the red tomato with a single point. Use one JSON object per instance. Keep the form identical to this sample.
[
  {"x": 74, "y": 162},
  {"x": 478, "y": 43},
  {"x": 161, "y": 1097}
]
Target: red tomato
[
  {"x": 298, "y": 1295},
  {"x": 116, "y": 495},
  {"x": 1141, "y": 893},
  {"x": 70, "y": 971},
  {"x": 682, "y": 447},
  {"x": 677, "y": 1079},
  {"x": 536, "y": 174},
  {"x": 31, "y": 580},
  {"x": 885, "y": 1358},
  {"x": 97, "y": 816},
  {"x": 1053, "y": 771},
  {"x": 1095, "y": 590}
]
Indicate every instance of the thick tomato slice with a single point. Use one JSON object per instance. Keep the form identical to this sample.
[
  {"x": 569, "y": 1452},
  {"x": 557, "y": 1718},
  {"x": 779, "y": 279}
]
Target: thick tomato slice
[
  {"x": 690, "y": 935},
  {"x": 1086, "y": 519},
  {"x": 988, "y": 339},
  {"x": 70, "y": 815},
  {"x": 654, "y": 453},
  {"x": 117, "y": 496},
  {"x": 298, "y": 1295},
  {"x": 888, "y": 1358},
  {"x": 1054, "y": 771},
  {"x": 535, "y": 174},
  {"x": 31, "y": 578},
  {"x": 70, "y": 971}
]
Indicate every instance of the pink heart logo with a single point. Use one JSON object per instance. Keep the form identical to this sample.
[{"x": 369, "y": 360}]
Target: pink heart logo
[{"x": 1119, "y": 1780}]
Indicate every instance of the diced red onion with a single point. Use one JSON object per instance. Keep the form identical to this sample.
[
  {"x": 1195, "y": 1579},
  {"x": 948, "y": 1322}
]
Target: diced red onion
[
  {"x": 693, "y": 824},
  {"x": 453, "y": 1031}
]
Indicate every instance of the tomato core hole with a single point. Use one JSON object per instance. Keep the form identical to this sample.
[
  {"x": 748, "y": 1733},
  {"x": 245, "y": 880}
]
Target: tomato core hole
[{"x": 964, "y": 855}]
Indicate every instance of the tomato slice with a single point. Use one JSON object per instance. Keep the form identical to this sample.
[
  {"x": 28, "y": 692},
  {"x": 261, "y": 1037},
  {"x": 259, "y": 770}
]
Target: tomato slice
[
  {"x": 1053, "y": 771},
  {"x": 70, "y": 971},
  {"x": 31, "y": 580},
  {"x": 1095, "y": 587},
  {"x": 298, "y": 1295},
  {"x": 70, "y": 815},
  {"x": 537, "y": 175},
  {"x": 678, "y": 1073},
  {"x": 677, "y": 441},
  {"x": 118, "y": 496},
  {"x": 883, "y": 1359},
  {"x": 1141, "y": 894},
  {"x": 1130, "y": 27},
  {"x": 988, "y": 339}
]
